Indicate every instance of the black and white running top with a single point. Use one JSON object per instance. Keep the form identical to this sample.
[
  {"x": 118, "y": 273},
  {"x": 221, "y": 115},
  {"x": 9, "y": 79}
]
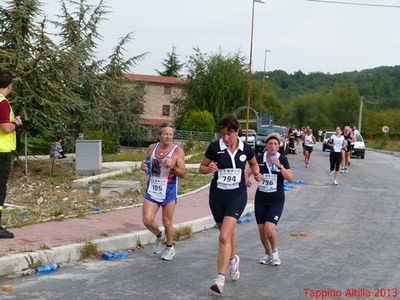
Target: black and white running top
[{"x": 231, "y": 166}]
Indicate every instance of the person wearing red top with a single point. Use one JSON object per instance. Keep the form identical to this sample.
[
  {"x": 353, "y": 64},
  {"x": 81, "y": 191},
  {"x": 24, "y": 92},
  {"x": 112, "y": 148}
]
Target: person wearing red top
[{"x": 9, "y": 125}]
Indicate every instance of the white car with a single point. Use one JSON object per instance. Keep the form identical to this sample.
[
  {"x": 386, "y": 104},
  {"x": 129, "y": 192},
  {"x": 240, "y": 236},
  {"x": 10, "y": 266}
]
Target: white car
[
  {"x": 358, "y": 147},
  {"x": 251, "y": 138}
]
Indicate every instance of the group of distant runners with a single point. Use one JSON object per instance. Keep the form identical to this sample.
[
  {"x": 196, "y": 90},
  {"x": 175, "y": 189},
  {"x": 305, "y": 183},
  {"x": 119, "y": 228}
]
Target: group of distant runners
[
  {"x": 340, "y": 145},
  {"x": 233, "y": 163}
]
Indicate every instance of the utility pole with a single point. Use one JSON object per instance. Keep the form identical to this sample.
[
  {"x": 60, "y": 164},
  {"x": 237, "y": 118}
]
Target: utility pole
[{"x": 360, "y": 113}]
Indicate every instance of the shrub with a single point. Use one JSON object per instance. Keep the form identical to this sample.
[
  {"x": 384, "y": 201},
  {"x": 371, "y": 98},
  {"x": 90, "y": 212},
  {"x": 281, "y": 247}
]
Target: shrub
[
  {"x": 89, "y": 250},
  {"x": 109, "y": 140},
  {"x": 198, "y": 121}
]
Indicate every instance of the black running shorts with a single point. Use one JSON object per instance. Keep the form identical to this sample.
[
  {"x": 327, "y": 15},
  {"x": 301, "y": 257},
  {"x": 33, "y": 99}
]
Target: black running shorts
[
  {"x": 229, "y": 203},
  {"x": 268, "y": 210}
]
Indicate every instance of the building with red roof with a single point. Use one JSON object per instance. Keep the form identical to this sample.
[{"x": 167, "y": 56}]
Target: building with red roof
[{"x": 159, "y": 94}]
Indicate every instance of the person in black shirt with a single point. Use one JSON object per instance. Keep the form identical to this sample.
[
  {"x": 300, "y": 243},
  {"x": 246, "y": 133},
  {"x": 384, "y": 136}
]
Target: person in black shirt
[
  {"x": 226, "y": 159},
  {"x": 270, "y": 196}
]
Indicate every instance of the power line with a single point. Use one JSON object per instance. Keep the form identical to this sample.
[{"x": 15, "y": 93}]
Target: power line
[{"x": 355, "y": 3}]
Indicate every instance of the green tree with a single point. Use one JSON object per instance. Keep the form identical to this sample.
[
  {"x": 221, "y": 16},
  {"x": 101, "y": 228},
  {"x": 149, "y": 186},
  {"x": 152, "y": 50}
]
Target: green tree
[
  {"x": 62, "y": 86},
  {"x": 172, "y": 65},
  {"x": 218, "y": 83},
  {"x": 343, "y": 104},
  {"x": 28, "y": 52},
  {"x": 198, "y": 121},
  {"x": 310, "y": 110}
]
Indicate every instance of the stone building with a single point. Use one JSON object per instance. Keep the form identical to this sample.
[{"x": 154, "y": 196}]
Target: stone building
[{"x": 159, "y": 93}]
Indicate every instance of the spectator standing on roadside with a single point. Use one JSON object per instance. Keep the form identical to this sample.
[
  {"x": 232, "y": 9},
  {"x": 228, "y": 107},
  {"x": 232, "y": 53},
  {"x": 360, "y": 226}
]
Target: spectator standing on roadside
[
  {"x": 164, "y": 163},
  {"x": 226, "y": 158},
  {"x": 56, "y": 150},
  {"x": 9, "y": 126}
]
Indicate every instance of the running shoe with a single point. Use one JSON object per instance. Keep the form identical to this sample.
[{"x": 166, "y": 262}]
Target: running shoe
[
  {"x": 345, "y": 170},
  {"x": 168, "y": 253},
  {"x": 5, "y": 234},
  {"x": 266, "y": 259},
  {"x": 234, "y": 268},
  {"x": 218, "y": 286},
  {"x": 335, "y": 182},
  {"x": 342, "y": 170},
  {"x": 275, "y": 260},
  {"x": 160, "y": 242}
]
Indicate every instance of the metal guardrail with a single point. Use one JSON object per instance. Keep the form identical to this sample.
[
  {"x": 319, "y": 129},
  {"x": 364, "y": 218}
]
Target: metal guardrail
[{"x": 186, "y": 135}]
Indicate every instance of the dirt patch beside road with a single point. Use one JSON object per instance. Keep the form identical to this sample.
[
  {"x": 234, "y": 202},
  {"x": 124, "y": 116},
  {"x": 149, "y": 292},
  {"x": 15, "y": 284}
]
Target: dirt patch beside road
[{"x": 40, "y": 197}]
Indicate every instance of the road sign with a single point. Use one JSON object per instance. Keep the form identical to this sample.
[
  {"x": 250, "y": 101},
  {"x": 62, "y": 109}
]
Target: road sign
[{"x": 385, "y": 129}]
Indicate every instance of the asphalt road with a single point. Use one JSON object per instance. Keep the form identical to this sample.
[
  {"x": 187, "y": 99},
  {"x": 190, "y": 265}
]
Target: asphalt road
[{"x": 351, "y": 250}]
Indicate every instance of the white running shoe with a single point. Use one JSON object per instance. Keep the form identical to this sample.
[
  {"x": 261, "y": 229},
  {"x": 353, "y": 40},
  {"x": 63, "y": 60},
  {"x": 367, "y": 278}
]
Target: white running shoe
[
  {"x": 345, "y": 170},
  {"x": 335, "y": 182},
  {"x": 342, "y": 170},
  {"x": 266, "y": 259},
  {"x": 168, "y": 253},
  {"x": 159, "y": 244},
  {"x": 275, "y": 260},
  {"x": 234, "y": 272},
  {"x": 218, "y": 286}
]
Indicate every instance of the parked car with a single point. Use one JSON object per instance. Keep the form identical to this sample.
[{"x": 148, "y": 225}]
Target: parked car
[
  {"x": 327, "y": 136},
  {"x": 251, "y": 137},
  {"x": 262, "y": 133},
  {"x": 358, "y": 147}
]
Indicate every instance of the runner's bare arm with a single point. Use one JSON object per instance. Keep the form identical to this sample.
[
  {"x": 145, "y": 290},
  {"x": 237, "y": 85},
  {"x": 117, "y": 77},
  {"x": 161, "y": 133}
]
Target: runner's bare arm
[
  {"x": 207, "y": 166},
  {"x": 180, "y": 167},
  {"x": 255, "y": 169},
  {"x": 286, "y": 173}
]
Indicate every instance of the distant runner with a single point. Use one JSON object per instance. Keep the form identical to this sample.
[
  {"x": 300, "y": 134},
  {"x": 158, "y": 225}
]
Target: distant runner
[{"x": 336, "y": 142}]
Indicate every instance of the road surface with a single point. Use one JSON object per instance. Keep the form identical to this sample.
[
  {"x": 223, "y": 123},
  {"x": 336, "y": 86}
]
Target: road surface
[{"x": 351, "y": 251}]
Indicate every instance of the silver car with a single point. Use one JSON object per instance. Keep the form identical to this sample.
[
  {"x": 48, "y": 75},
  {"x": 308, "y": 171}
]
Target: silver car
[{"x": 251, "y": 138}]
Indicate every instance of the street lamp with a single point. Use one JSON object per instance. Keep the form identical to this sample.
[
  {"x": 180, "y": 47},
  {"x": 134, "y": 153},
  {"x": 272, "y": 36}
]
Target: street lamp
[
  {"x": 249, "y": 74},
  {"x": 265, "y": 67}
]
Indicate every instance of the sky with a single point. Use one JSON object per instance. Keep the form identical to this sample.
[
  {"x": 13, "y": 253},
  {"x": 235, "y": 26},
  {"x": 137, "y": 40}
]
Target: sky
[{"x": 300, "y": 34}]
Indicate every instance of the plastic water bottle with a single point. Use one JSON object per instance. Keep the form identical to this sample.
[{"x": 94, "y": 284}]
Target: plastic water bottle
[
  {"x": 114, "y": 255},
  {"x": 46, "y": 269},
  {"x": 273, "y": 167},
  {"x": 148, "y": 164}
]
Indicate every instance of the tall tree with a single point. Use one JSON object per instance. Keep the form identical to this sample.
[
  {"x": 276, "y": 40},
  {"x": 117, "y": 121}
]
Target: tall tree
[
  {"x": 171, "y": 64},
  {"x": 62, "y": 86},
  {"x": 218, "y": 83}
]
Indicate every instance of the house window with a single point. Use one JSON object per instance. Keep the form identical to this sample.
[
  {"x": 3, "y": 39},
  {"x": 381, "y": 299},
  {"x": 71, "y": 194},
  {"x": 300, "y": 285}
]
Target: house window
[
  {"x": 167, "y": 90},
  {"x": 166, "y": 110}
]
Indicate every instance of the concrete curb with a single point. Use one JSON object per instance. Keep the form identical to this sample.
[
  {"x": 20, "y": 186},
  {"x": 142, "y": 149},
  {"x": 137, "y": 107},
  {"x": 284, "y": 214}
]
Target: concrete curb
[{"x": 16, "y": 263}]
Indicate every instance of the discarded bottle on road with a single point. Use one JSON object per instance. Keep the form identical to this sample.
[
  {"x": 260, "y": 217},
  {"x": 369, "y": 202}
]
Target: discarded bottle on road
[
  {"x": 114, "y": 255},
  {"x": 249, "y": 214},
  {"x": 46, "y": 269},
  {"x": 95, "y": 209}
]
